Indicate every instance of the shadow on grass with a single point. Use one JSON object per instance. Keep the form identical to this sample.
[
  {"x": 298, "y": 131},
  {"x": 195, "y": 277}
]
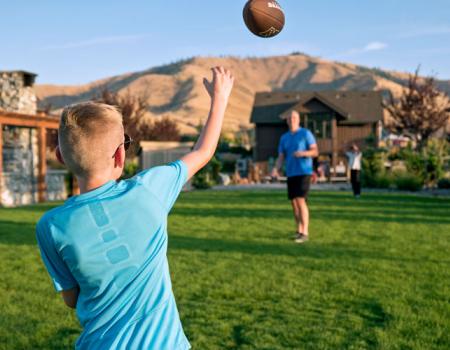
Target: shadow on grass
[
  {"x": 319, "y": 214},
  {"x": 374, "y": 317},
  {"x": 312, "y": 250},
  {"x": 17, "y": 233}
]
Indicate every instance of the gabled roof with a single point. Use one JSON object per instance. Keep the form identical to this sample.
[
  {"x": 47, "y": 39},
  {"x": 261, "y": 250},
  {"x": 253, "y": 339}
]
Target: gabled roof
[
  {"x": 314, "y": 96},
  {"x": 354, "y": 106}
]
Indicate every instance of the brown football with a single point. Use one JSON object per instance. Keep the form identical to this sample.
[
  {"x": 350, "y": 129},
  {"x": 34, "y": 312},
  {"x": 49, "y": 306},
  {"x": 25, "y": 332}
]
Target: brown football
[{"x": 264, "y": 18}]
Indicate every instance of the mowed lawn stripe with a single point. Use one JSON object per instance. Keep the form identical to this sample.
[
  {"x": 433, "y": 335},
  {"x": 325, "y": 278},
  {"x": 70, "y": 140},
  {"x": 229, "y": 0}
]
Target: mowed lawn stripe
[{"x": 375, "y": 274}]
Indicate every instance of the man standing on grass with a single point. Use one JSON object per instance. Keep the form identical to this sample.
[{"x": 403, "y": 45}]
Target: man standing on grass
[{"x": 298, "y": 147}]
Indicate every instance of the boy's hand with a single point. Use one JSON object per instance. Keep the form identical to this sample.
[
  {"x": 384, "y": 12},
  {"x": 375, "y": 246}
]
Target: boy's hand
[
  {"x": 221, "y": 84},
  {"x": 219, "y": 89}
]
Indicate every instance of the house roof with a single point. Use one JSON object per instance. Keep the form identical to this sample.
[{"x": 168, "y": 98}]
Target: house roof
[{"x": 355, "y": 107}]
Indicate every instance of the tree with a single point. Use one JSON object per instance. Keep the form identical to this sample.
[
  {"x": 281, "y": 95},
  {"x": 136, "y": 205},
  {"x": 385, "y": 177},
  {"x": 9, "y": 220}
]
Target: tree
[
  {"x": 164, "y": 129},
  {"x": 421, "y": 111},
  {"x": 133, "y": 110}
]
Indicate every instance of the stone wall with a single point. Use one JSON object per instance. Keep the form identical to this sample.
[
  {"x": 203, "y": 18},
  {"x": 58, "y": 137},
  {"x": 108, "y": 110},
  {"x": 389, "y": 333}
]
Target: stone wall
[
  {"x": 19, "y": 183},
  {"x": 16, "y": 92},
  {"x": 19, "y": 190},
  {"x": 56, "y": 185}
]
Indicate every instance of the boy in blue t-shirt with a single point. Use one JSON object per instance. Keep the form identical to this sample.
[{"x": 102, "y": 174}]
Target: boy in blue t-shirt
[
  {"x": 106, "y": 249},
  {"x": 297, "y": 147}
]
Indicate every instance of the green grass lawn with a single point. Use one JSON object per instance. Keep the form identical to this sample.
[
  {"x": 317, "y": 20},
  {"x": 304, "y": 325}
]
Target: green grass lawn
[{"x": 375, "y": 274}]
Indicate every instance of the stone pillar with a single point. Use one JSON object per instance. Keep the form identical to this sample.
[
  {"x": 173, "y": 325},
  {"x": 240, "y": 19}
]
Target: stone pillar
[
  {"x": 16, "y": 93},
  {"x": 42, "y": 187}
]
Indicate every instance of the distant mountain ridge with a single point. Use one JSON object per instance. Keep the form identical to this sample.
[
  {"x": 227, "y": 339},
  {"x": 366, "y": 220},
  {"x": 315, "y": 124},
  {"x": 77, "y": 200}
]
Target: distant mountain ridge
[{"x": 176, "y": 90}]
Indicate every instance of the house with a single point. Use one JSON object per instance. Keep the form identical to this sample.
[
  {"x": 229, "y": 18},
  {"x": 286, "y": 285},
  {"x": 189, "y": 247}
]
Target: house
[
  {"x": 336, "y": 118},
  {"x": 25, "y": 136}
]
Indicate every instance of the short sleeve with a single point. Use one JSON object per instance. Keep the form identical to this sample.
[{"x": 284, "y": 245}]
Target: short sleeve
[
  {"x": 310, "y": 139},
  {"x": 60, "y": 274},
  {"x": 281, "y": 146},
  {"x": 165, "y": 182}
]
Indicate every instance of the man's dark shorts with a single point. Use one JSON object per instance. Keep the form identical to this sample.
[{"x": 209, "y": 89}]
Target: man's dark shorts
[{"x": 298, "y": 186}]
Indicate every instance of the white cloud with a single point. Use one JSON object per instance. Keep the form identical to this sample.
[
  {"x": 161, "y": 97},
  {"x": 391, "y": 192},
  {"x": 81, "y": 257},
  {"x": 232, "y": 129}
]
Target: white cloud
[
  {"x": 370, "y": 47},
  {"x": 98, "y": 41},
  {"x": 375, "y": 46}
]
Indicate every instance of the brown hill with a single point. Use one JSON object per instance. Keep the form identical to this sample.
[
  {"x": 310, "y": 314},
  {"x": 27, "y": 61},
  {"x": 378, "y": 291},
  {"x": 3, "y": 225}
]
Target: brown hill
[{"x": 176, "y": 90}]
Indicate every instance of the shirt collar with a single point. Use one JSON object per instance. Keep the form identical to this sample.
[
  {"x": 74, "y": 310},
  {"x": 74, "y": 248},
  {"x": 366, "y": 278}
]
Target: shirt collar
[{"x": 93, "y": 193}]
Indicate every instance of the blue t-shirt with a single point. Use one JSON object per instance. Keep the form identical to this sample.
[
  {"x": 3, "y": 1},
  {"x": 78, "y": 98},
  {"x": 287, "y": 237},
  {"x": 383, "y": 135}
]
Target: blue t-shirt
[
  {"x": 112, "y": 243},
  {"x": 301, "y": 140}
]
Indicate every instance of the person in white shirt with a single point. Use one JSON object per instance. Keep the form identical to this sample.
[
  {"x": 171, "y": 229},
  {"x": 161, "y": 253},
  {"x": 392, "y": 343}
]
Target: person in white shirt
[{"x": 354, "y": 162}]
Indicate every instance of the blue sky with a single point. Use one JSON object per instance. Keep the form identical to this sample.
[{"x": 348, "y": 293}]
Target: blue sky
[{"x": 72, "y": 42}]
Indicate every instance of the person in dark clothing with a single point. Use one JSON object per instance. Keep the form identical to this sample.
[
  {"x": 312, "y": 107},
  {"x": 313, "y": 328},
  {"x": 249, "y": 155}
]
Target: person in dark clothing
[{"x": 354, "y": 156}]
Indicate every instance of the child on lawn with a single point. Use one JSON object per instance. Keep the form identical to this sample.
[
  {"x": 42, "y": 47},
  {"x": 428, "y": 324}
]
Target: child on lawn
[{"x": 105, "y": 249}]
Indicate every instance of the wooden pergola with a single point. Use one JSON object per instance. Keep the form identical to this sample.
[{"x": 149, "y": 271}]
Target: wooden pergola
[{"x": 39, "y": 122}]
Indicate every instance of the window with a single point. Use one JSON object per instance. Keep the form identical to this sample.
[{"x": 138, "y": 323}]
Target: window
[
  {"x": 312, "y": 126},
  {"x": 327, "y": 129},
  {"x": 319, "y": 124}
]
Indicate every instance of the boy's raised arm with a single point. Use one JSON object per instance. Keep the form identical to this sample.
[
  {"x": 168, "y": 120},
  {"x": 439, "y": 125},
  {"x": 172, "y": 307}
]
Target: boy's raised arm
[{"x": 219, "y": 90}]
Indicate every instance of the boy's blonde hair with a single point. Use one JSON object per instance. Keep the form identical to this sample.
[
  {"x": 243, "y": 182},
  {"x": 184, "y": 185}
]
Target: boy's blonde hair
[{"x": 89, "y": 134}]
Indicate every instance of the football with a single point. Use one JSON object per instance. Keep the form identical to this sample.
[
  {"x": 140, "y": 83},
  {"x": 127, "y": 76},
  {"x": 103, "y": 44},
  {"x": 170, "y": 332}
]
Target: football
[{"x": 264, "y": 18}]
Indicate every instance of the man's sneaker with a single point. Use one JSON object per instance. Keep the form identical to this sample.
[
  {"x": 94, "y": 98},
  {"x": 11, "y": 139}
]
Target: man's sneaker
[
  {"x": 297, "y": 235},
  {"x": 301, "y": 238}
]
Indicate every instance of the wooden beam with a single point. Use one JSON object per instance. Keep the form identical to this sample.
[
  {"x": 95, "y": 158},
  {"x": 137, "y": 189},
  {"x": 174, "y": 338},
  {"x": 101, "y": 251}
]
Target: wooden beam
[
  {"x": 27, "y": 120},
  {"x": 28, "y": 123},
  {"x": 334, "y": 140},
  {"x": 42, "y": 164}
]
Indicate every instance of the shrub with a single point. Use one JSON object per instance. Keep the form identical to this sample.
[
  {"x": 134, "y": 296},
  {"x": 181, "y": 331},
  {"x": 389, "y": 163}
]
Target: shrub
[
  {"x": 130, "y": 170},
  {"x": 444, "y": 183},
  {"x": 434, "y": 155},
  {"x": 383, "y": 181},
  {"x": 372, "y": 166},
  {"x": 68, "y": 181},
  {"x": 408, "y": 182},
  {"x": 202, "y": 181},
  {"x": 414, "y": 161},
  {"x": 208, "y": 176},
  {"x": 228, "y": 166},
  {"x": 427, "y": 163}
]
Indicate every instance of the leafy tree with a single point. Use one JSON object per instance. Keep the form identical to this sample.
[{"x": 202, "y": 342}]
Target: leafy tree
[
  {"x": 134, "y": 108},
  {"x": 164, "y": 129},
  {"x": 421, "y": 111}
]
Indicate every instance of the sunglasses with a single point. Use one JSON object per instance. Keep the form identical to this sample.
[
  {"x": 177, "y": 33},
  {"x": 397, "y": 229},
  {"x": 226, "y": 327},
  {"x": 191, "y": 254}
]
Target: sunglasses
[{"x": 126, "y": 143}]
